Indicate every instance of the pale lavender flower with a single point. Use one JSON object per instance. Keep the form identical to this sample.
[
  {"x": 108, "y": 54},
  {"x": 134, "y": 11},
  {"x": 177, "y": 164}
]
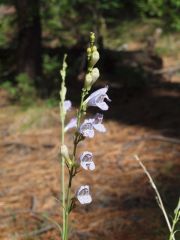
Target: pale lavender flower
[
  {"x": 97, "y": 98},
  {"x": 86, "y": 159},
  {"x": 67, "y": 105},
  {"x": 86, "y": 128},
  {"x": 71, "y": 124},
  {"x": 83, "y": 195},
  {"x": 97, "y": 123}
]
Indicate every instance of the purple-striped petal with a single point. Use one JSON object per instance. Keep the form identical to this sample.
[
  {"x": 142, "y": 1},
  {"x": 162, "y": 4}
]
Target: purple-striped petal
[
  {"x": 83, "y": 195},
  {"x": 86, "y": 161},
  {"x": 86, "y": 129}
]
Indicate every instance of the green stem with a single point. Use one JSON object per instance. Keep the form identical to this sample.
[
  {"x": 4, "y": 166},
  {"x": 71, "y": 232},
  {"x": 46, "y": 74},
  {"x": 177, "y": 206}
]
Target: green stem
[
  {"x": 62, "y": 118},
  {"x": 63, "y": 172},
  {"x": 71, "y": 172},
  {"x": 175, "y": 220},
  {"x": 68, "y": 203}
]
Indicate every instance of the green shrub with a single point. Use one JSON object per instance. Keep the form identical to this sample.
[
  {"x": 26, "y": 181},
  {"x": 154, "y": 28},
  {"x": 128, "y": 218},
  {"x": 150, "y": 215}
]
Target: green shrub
[{"x": 23, "y": 91}]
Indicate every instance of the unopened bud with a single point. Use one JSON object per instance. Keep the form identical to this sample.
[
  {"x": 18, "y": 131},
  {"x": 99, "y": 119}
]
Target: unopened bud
[
  {"x": 94, "y": 48},
  {"x": 95, "y": 57},
  {"x": 88, "y": 81},
  {"x": 92, "y": 37},
  {"x": 95, "y": 75},
  {"x": 88, "y": 50},
  {"x": 64, "y": 152}
]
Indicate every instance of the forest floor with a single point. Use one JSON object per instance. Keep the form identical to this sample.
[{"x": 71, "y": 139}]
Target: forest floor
[{"x": 124, "y": 205}]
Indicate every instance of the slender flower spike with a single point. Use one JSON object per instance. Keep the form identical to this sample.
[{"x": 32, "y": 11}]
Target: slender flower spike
[
  {"x": 83, "y": 195},
  {"x": 67, "y": 105},
  {"x": 86, "y": 159},
  {"x": 71, "y": 124},
  {"x": 97, "y": 98},
  {"x": 86, "y": 128},
  {"x": 97, "y": 123}
]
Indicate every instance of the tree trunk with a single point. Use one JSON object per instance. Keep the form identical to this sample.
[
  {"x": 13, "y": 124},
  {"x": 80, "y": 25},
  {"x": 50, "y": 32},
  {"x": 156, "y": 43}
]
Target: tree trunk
[{"x": 29, "y": 59}]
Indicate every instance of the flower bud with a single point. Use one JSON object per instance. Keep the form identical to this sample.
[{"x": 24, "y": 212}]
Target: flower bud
[
  {"x": 94, "y": 49},
  {"x": 92, "y": 37},
  {"x": 95, "y": 75},
  {"x": 88, "y": 50},
  {"x": 95, "y": 57},
  {"x": 64, "y": 152},
  {"x": 88, "y": 81}
]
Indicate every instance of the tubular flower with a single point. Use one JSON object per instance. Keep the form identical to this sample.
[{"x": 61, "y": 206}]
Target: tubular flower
[
  {"x": 86, "y": 128},
  {"x": 71, "y": 124},
  {"x": 83, "y": 195},
  {"x": 97, "y": 98},
  {"x": 86, "y": 159}
]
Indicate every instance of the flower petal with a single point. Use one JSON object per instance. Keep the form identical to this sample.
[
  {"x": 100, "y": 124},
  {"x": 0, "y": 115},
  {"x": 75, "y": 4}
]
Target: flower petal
[
  {"x": 99, "y": 127},
  {"x": 86, "y": 159},
  {"x": 98, "y": 118},
  {"x": 97, "y": 92},
  {"x": 83, "y": 195},
  {"x": 86, "y": 128},
  {"x": 71, "y": 124},
  {"x": 103, "y": 106},
  {"x": 67, "y": 105}
]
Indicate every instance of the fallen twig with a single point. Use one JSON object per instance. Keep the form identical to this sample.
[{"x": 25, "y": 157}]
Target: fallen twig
[{"x": 151, "y": 138}]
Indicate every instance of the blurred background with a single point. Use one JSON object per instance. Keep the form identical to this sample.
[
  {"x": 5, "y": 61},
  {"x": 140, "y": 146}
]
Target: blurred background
[{"x": 139, "y": 45}]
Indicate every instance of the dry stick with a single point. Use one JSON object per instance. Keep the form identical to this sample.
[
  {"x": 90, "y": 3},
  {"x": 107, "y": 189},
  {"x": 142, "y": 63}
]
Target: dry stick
[
  {"x": 160, "y": 138},
  {"x": 159, "y": 200},
  {"x": 152, "y": 138}
]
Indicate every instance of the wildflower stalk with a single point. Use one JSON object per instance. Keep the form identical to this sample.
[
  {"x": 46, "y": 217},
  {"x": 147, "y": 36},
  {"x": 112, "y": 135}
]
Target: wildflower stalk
[
  {"x": 83, "y": 130},
  {"x": 62, "y": 118},
  {"x": 77, "y": 138}
]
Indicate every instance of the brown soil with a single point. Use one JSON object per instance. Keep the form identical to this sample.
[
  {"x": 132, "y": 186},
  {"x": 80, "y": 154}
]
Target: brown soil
[{"x": 124, "y": 205}]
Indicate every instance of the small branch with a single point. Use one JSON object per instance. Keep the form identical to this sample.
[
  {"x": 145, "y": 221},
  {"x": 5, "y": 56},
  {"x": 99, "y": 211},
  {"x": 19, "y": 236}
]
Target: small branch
[
  {"x": 33, "y": 203},
  {"x": 161, "y": 138},
  {"x": 152, "y": 138}
]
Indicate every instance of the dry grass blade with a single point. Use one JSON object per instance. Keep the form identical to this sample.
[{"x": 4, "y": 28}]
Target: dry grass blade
[{"x": 158, "y": 197}]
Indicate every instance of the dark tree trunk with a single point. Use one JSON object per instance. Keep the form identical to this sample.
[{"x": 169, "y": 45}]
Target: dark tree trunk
[{"x": 29, "y": 59}]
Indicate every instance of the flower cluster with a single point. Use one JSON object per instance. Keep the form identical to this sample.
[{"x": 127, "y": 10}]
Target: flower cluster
[
  {"x": 87, "y": 128},
  {"x": 84, "y": 128}
]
